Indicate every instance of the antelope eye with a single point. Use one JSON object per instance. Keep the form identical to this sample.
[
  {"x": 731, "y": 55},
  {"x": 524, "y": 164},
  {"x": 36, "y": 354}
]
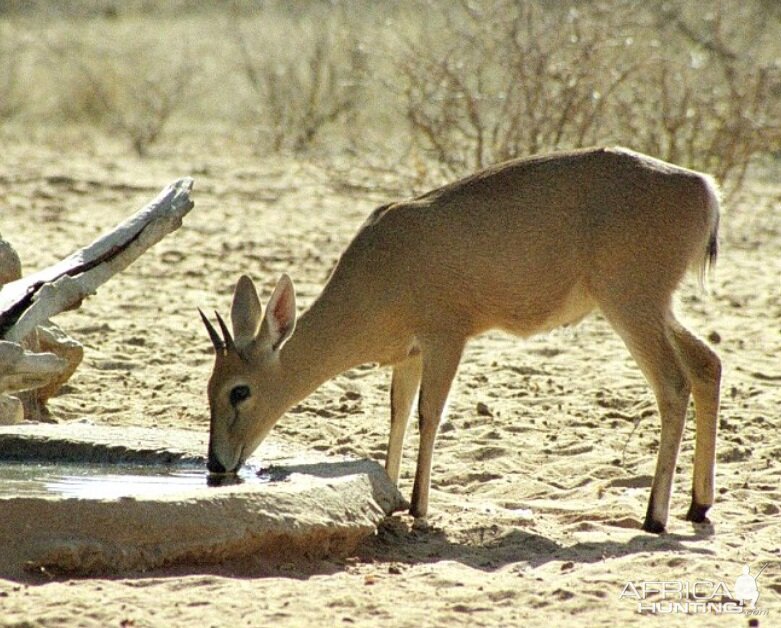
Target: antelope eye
[{"x": 239, "y": 394}]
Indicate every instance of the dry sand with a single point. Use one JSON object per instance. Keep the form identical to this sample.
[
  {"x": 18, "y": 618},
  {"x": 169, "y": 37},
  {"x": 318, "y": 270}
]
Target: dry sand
[{"x": 537, "y": 496}]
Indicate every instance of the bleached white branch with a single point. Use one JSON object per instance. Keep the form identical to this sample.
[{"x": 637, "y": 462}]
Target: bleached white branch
[
  {"x": 28, "y": 302},
  {"x": 24, "y": 370}
]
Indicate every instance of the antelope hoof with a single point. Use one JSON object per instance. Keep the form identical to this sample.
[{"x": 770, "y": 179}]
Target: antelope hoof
[
  {"x": 223, "y": 479},
  {"x": 697, "y": 513},
  {"x": 653, "y": 526}
]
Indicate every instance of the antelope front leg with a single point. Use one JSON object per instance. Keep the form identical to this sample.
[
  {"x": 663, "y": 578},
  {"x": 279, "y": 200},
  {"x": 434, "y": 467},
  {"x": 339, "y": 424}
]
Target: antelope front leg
[
  {"x": 404, "y": 386},
  {"x": 440, "y": 362}
]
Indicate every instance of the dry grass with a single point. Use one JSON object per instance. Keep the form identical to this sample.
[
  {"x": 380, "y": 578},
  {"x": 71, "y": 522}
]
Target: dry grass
[
  {"x": 298, "y": 94},
  {"x": 455, "y": 86},
  {"x": 515, "y": 78}
]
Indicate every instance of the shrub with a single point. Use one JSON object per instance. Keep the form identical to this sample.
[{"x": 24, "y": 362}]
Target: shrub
[
  {"x": 299, "y": 90},
  {"x": 495, "y": 80},
  {"x": 133, "y": 92},
  {"x": 11, "y": 93}
]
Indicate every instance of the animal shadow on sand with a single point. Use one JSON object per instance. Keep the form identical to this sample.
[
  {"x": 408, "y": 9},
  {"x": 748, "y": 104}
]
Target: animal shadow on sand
[
  {"x": 491, "y": 547},
  {"x": 487, "y": 547}
]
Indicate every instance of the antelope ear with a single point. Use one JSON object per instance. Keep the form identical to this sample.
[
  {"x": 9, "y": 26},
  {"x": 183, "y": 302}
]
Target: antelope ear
[
  {"x": 280, "y": 319},
  {"x": 245, "y": 312}
]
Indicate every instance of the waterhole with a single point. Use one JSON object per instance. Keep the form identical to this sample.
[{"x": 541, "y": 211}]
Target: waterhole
[
  {"x": 112, "y": 481},
  {"x": 87, "y": 499}
]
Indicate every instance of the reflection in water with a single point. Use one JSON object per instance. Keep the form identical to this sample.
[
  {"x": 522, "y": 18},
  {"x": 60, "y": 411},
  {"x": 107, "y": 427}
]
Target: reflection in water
[{"x": 113, "y": 481}]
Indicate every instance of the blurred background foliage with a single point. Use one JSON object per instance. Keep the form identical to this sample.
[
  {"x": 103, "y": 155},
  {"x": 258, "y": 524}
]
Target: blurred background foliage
[{"x": 447, "y": 86}]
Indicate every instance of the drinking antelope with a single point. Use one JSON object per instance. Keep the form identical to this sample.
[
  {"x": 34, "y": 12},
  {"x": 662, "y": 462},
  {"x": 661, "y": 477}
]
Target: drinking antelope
[{"x": 525, "y": 246}]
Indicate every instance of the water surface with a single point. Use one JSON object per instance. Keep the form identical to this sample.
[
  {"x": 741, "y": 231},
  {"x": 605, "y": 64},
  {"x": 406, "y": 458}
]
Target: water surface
[{"x": 110, "y": 481}]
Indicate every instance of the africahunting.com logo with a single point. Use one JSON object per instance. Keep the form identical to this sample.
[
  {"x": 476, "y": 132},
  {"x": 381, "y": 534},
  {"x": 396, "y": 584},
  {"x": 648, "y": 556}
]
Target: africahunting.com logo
[{"x": 661, "y": 597}]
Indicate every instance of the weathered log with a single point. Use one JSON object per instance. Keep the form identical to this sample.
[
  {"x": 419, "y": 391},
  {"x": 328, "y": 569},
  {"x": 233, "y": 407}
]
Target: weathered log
[
  {"x": 31, "y": 300},
  {"x": 27, "y": 303},
  {"x": 46, "y": 338},
  {"x": 23, "y": 370},
  {"x": 52, "y": 339},
  {"x": 10, "y": 265},
  {"x": 11, "y": 410}
]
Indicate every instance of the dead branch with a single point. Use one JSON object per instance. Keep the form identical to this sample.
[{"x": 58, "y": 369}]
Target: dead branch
[
  {"x": 24, "y": 370},
  {"x": 28, "y": 302}
]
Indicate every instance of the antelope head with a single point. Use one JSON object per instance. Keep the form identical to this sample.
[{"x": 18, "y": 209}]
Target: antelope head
[{"x": 245, "y": 391}]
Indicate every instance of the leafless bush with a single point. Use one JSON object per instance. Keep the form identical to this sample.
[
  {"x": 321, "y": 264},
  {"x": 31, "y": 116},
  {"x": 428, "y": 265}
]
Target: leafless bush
[
  {"x": 503, "y": 79},
  {"x": 133, "y": 94},
  {"x": 477, "y": 81},
  {"x": 298, "y": 91},
  {"x": 719, "y": 130},
  {"x": 154, "y": 100},
  {"x": 511, "y": 79},
  {"x": 722, "y": 109},
  {"x": 11, "y": 93}
]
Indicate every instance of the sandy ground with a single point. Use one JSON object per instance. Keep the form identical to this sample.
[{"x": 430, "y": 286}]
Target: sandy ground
[{"x": 542, "y": 469}]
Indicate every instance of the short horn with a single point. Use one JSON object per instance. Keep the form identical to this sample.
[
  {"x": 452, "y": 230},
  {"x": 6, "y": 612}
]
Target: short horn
[
  {"x": 228, "y": 344},
  {"x": 219, "y": 345}
]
